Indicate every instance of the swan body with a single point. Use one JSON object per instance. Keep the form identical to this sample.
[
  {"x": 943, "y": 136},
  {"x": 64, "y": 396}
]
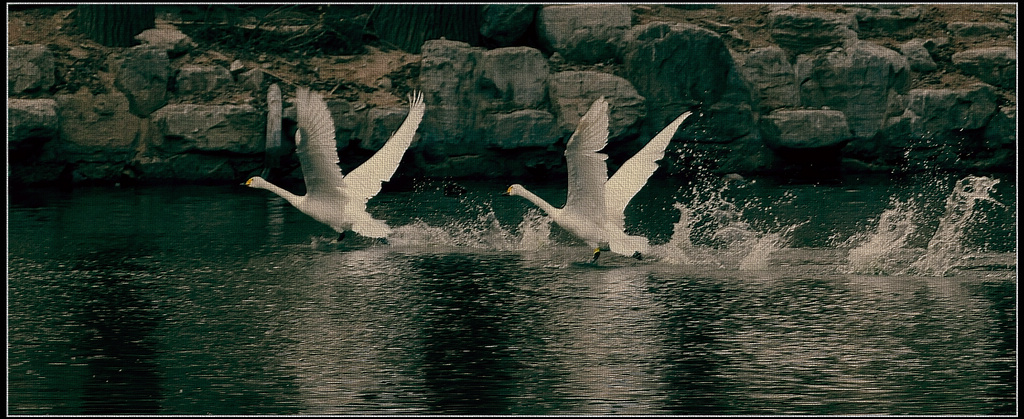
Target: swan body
[
  {"x": 331, "y": 198},
  {"x": 595, "y": 204}
]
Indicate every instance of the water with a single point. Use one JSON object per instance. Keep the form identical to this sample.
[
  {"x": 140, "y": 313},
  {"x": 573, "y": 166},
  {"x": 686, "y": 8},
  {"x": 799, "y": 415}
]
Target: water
[{"x": 867, "y": 296}]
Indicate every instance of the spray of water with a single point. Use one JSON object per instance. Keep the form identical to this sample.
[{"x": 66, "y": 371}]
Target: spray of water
[
  {"x": 880, "y": 251},
  {"x": 723, "y": 238},
  {"x": 946, "y": 248},
  {"x": 482, "y": 232}
]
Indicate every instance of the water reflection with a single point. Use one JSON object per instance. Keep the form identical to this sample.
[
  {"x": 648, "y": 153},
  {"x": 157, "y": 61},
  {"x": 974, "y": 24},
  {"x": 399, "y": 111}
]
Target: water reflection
[{"x": 208, "y": 300}]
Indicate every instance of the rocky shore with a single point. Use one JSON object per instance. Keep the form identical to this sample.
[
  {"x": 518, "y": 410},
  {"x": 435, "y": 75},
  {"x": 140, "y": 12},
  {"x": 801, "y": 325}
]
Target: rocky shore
[{"x": 819, "y": 89}]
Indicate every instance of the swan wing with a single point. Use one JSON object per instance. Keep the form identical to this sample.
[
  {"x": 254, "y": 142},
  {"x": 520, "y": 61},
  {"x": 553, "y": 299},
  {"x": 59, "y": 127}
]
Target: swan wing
[
  {"x": 635, "y": 172},
  {"x": 364, "y": 182},
  {"x": 586, "y": 167},
  {"x": 315, "y": 144}
]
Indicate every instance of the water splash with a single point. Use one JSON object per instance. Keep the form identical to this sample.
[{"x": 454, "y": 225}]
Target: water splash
[
  {"x": 723, "y": 237},
  {"x": 946, "y": 248},
  {"x": 483, "y": 232},
  {"x": 881, "y": 250},
  {"x": 885, "y": 250}
]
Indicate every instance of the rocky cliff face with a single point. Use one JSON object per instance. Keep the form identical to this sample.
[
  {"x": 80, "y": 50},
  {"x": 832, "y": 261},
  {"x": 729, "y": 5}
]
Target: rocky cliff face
[{"x": 774, "y": 88}]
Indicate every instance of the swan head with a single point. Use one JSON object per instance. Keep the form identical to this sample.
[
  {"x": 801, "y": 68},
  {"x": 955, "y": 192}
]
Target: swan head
[
  {"x": 255, "y": 182},
  {"x": 514, "y": 190}
]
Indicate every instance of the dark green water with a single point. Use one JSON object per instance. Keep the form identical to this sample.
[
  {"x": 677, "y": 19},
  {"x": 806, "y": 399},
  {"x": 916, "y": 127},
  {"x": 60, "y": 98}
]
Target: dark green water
[{"x": 226, "y": 300}]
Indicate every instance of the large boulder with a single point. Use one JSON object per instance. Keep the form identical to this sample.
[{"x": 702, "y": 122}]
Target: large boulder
[
  {"x": 995, "y": 65},
  {"x": 505, "y": 23},
  {"x": 939, "y": 112},
  {"x": 231, "y": 128},
  {"x": 522, "y": 128},
  {"x": 918, "y": 56},
  {"x": 802, "y": 31},
  {"x": 772, "y": 78},
  {"x": 886, "y": 18},
  {"x": 979, "y": 29},
  {"x": 142, "y": 75},
  {"x": 573, "y": 92},
  {"x": 31, "y": 118},
  {"x": 448, "y": 77},
  {"x": 677, "y": 67},
  {"x": 804, "y": 129},
  {"x": 584, "y": 32},
  {"x": 170, "y": 39},
  {"x": 97, "y": 127},
  {"x": 29, "y": 68},
  {"x": 517, "y": 75},
  {"x": 861, "y": 79}
]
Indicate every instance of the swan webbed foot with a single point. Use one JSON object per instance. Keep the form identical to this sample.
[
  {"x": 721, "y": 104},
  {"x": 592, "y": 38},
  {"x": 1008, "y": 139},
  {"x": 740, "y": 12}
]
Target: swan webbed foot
[
  {"x": 637, "y": 256},
  {"x": 341, "y": 236},
  {"x": 383, "y": 240}
]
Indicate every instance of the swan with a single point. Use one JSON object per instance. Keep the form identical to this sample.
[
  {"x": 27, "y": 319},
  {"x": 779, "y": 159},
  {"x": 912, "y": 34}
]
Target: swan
[
  {"x": 595, "y": 204},
  {"x": 331, "y": 198}
]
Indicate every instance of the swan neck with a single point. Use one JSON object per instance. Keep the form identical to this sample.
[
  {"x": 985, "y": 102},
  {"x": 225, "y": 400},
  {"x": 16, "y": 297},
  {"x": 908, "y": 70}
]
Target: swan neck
[
  {"x": 536, "y": 200},
  {"x": 288, "y": 196}
]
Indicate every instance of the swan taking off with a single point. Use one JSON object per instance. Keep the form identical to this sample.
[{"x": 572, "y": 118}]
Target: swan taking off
[
  {"x": 594, "y": 207},
  {"x": 336, "y": 200}
]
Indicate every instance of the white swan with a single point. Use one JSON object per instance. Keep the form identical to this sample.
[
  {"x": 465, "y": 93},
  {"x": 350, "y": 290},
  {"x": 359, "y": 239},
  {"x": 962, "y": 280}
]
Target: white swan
[
  {"x": 594, "y": 207},
  {"x": 336, "y": 200}
]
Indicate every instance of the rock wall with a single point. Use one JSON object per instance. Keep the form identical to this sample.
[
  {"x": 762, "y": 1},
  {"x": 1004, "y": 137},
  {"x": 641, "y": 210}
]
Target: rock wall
[{"x": 815, "y": 96}]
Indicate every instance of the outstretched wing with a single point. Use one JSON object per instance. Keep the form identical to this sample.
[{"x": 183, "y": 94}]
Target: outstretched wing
[
  {"x": 587, "y": 168},
  {"x": 315, "y": 144},
  {"x": 365, "y": 181},
  {"x": 633, "y": 174}
]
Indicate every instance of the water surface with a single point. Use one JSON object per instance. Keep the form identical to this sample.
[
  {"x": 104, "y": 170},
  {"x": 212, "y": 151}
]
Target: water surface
[{"x": 226, "y": 300}]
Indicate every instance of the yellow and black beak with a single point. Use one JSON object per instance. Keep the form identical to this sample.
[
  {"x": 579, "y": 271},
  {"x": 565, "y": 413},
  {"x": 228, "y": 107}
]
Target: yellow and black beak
[{"x": 508, "y": 191}]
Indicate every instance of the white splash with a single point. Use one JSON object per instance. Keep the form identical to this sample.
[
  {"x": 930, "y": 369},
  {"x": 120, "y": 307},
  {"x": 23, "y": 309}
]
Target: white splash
[
  {"x": 879, "y": 251},
  {"x": 946, "y": 248}
]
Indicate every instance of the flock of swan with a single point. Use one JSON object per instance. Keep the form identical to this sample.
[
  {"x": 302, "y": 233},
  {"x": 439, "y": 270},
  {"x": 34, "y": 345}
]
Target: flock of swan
[{"x": 594, "y": 207}]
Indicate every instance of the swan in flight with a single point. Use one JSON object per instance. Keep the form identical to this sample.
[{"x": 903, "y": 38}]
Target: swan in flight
[
  {"x": 336, "y": 200},
  {"x": 595, "y": 204}
]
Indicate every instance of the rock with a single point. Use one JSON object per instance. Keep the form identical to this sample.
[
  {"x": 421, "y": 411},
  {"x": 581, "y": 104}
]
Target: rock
[
  {"x": 805, "y": 129},
  {"x": 523, "y": 128},
  {"x": 380, "y": 124},
  {"x": 584, "y": 32},
  {"x": 142, "y": 76},
  {"x": 97, "y": 126},
  {"x": 573, "y": 92},
  {"x": 995, "y": 65},
  {"x": 448, "y": 78},
  {"x": 918, "y": 56},
  {"x": 772, "y": 77},
  {"x": 941, "y": 111},
  {"x": 188, "y": 127},
  {"x": 29, "y": 68},
  {"x": 193, "y": 79},
  {"x": 505, "y": 23},
  {"x": 31, "y": 118},
  {"x": 886, "y": 18},
  {"x": 976, "y": 29},
  {"x": 678, "y": 66},
  {"x": 252, "y": 79},
  {"x": 518, "y": 75},
  {"x": 168, "y": 39},
  {"x": 802, "y": 31},
  {"x": 1001, "y": 129},
  {"x": 861, "y": 80},
  {"x": 236, "y": 67}
]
